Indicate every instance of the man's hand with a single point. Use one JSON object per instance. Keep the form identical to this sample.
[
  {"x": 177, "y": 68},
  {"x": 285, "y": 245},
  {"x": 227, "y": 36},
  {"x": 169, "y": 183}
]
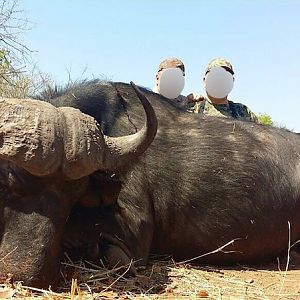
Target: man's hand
[{"x": 194, "y": 97}]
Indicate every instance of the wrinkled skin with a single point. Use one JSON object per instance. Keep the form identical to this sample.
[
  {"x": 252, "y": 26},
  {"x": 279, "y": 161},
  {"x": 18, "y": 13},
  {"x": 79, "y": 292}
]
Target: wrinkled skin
[
  {"x": 203, "y": 182},
  {"x": 33, "y": 214},
  {"x": 46, "y": 158}
]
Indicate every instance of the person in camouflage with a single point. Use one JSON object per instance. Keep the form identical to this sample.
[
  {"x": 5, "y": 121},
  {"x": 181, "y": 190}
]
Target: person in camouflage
[
  {"x": 171, "y": 62},
  {"x": 216, "y": 106}
]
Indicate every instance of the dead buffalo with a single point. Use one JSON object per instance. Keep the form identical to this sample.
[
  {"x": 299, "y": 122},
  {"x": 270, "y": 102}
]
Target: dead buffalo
[
  {"x": 203, "y": 183},
  {"x": 46, "y": 157}
]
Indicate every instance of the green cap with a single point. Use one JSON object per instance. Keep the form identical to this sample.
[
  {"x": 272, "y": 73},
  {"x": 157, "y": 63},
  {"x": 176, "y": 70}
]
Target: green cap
[
  {"x": 219, "y": 62},
  {"x": 171, "y": 62}
]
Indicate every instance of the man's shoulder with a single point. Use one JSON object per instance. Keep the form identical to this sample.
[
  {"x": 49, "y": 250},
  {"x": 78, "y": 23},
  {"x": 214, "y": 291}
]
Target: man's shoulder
[
  {"x": 237, "y": 104},
  {"x": 181, "y": 98},
  {"x": 243, "y": 111},
  {"x": 207, "y": 108}
]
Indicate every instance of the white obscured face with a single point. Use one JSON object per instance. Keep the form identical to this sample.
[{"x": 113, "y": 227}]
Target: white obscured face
[
  {"x": 218, "y": 82},
  {"x": 171, "y": 82}
]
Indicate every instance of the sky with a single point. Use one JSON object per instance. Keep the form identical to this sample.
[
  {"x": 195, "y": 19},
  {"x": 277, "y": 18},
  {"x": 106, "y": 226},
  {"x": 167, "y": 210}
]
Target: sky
[{"x": 126, "y": 40}]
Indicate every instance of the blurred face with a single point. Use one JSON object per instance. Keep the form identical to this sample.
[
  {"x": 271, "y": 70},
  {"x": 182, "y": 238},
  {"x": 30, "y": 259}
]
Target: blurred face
[
  {"x": 218, "y": 83},
  {"x": 170, "y": 82}
]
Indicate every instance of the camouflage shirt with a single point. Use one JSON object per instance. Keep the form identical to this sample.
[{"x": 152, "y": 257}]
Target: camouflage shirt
[{"x": 235, "y": 110}]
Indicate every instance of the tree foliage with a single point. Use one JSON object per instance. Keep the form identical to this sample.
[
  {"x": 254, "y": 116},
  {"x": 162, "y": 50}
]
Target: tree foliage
[
  {"x": 19, "y": 77},
  {"x": 13, "y": 54},
  {"x": 265, "y": 119},
  {"x": 13, "y": 25}
]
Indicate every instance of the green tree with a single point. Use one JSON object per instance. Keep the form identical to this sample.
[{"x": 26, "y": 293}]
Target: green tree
[
  {"x": 19, "y": 78},
  {"x": 265, "y": 119},
  {"x": 13, "y": 54},
  {"x": 13, "y": 84}
]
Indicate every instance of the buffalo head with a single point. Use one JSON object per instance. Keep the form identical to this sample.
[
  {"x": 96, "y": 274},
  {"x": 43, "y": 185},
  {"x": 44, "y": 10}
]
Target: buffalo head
[{"x": 46, "y": 157}]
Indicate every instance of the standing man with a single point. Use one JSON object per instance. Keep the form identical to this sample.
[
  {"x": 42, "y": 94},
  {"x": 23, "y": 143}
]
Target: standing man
[{"x": 218, "y": 82}]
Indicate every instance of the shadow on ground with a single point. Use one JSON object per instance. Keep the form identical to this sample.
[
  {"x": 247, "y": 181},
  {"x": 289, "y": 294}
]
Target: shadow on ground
[{"x": 163, "y": 278}]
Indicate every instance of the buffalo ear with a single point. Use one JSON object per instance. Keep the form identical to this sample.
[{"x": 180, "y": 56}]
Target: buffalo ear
[{"x": 103, "y": 190}]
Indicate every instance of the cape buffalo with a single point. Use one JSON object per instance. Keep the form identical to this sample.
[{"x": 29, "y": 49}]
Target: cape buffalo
[
  {"x": 46, "y": 157},
  {"x": 203, "y": 183}
]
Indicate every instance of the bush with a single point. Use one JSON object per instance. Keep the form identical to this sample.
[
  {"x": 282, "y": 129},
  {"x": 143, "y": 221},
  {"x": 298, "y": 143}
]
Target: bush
[{"x": 265, "y": 119}]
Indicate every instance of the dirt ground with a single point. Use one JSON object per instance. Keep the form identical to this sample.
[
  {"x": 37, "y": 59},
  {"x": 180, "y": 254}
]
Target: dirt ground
[{"x": 164, "y": 279}]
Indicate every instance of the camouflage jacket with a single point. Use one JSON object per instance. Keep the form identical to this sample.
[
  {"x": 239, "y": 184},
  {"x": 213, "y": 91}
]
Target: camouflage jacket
[{"x": 235, "y": 110}]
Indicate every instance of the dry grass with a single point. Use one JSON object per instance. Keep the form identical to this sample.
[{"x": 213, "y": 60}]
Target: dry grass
[{"x": 163, "y": 279}]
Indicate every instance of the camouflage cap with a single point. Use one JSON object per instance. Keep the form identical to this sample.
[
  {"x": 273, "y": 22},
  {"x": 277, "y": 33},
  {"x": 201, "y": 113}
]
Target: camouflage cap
[
  {"x": 171, "y": 62},
  {"x": 219, "y": 62}
]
